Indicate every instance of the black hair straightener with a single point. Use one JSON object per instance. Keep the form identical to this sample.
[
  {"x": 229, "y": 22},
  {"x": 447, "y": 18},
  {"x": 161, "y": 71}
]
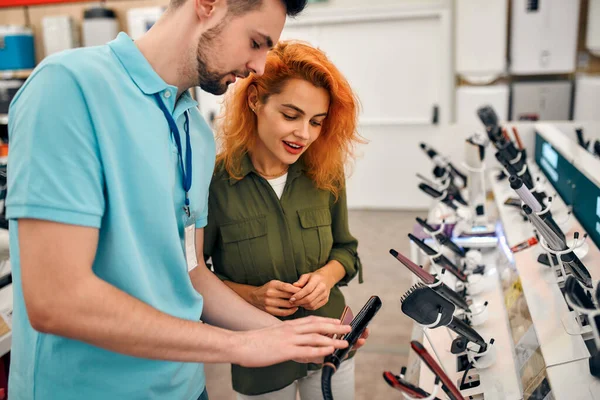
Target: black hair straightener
[
  {"x": 581, "y": 140},
  {"x": 424, "y": 305},
  {"x": 443, "y": 239},
  {"x": 431, "y": 281},
  {"x": 570, "y": 260},
  {"x": 358, "y": 324},
  {"x": 436, "y": 194},
  {"x": 459, "y": 179},
  {"x": 510, "y": 157},
  {"x": 580, "y": 297},
  {"x": 441, "y": 260}
]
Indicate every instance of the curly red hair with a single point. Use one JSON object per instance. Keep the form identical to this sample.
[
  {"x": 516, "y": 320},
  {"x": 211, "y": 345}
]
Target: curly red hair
[{"x": 326, "y": 157}]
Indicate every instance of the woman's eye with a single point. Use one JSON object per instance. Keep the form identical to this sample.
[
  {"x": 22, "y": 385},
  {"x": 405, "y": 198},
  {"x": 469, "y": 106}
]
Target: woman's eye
[
  {"x": 316, "y": 123},
  {"x": 288, "y": 117},
  {"x": 255, "y": 44}
]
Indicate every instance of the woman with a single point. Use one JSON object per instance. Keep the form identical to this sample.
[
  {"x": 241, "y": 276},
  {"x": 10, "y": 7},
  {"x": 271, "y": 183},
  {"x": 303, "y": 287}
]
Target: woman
[{"x": 278, "y": 221}]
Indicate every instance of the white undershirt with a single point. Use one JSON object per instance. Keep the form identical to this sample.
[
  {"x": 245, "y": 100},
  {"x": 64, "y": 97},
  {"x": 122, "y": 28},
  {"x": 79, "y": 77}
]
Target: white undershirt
[{"x": 278, "y": 184}]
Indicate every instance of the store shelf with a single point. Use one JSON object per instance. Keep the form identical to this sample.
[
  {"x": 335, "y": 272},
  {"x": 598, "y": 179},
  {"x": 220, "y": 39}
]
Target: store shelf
[
  {"x": 499, "y": 381},
  {"x": 27, "y": 3},
  {"x": 565, "y": 352},
  {"x": 573, "y": 381},
  {"x": 15, "y": 74}
]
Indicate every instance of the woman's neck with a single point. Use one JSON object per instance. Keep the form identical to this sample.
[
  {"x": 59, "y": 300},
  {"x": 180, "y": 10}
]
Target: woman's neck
[{"x": 267, "y": 165}]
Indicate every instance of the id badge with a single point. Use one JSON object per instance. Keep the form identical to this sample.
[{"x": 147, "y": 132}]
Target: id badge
[{"x": 190, "y": 241}]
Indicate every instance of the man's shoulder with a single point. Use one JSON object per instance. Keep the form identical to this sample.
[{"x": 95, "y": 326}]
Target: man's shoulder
[{"x": 83, "y": 63}]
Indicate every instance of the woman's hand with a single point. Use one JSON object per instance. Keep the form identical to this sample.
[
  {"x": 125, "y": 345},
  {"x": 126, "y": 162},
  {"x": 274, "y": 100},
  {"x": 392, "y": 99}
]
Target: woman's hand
[
  {"x": 315, "y": 291},
  {"x": 317, "y": 285},
  {"x": 274, "y": 298}
]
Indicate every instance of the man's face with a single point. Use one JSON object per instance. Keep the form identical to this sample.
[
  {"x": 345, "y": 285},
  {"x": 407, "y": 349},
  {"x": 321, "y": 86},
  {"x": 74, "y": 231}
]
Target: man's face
[{"x": 238, "y": 46}]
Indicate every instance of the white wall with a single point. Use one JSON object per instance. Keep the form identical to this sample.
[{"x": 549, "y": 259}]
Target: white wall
[{"x": 384, "y": 176}]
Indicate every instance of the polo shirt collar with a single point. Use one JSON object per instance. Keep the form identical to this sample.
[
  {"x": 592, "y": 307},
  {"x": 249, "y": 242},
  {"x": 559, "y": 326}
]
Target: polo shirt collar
[{"x": 142, "y": 73}]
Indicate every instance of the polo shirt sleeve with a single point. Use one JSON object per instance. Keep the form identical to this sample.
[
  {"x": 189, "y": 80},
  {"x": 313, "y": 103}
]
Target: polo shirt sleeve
[{"x": 54, "y": 168}]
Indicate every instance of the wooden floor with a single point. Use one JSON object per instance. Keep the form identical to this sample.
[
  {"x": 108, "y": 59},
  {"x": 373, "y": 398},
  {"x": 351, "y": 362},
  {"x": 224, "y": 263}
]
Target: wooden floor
[{"x": 387, "y": 348}]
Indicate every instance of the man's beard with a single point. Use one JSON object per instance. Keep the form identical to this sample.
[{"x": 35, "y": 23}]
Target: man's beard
[{"x": 208, "y": 80}]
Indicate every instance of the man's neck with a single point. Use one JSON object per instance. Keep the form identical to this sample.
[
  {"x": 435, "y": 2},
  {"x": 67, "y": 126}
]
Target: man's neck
[{"x": 166, "y": 46}]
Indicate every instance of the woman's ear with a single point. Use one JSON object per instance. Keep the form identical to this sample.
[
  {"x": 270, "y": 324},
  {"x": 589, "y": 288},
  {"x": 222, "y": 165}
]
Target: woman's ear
[{"x": 253, "y": 98}]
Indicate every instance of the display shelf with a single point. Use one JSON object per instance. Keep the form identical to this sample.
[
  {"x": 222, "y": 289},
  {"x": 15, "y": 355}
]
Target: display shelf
[
  {"x": 501, "y": 380},
  {"x": 15, "y": 74},
  {"x": 28, "y": 3},
  {"x": 564, "y": 353},
  {"x": 573, "y": 381}
]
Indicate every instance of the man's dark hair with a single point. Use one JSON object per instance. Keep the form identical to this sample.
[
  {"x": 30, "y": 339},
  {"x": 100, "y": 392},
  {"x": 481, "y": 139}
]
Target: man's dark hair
[{"x": 240, "y": 7}]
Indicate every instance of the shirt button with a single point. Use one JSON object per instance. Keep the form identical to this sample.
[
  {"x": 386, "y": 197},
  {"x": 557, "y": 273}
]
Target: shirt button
[{"x": 167, "y": 94}]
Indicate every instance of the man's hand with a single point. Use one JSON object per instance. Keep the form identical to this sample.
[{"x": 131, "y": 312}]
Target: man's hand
[
  {"x": 302, "y": 340},
  {"x": 315, "y": 290},
  {"x": 273, "y": 298}
]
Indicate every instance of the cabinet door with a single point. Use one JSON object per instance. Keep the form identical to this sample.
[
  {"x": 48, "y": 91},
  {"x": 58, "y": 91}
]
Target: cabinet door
[{"x": 395, "y": 58}]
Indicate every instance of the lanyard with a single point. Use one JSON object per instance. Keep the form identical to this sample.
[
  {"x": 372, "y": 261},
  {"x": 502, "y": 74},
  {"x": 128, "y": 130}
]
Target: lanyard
[{"x": 186, "y": 168}]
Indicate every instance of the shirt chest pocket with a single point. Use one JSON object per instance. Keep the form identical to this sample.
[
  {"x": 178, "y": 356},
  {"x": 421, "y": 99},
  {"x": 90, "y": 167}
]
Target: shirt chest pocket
[
  {"x": 246, "y": 251},
  {"x": 316, "y": 235}
]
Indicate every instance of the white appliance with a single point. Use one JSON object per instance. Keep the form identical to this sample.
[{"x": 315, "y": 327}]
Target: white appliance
[
  {"x": 471, "y": 98},
  {"x": 587, "y": 98},
  {"x": 592, "y": 38},
  {"x": 99, "y": 26},
  {"x": 140, "y": 20},
  {"x": 541, "y": 101},
  {"x": 543, "y": 37},
  {"x": 480, "y": 39},
  {"x": 60, "y": 33}
]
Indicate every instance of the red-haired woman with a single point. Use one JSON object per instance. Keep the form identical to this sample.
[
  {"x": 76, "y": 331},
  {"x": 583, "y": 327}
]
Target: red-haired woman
[{"x": 278, "y": 222}]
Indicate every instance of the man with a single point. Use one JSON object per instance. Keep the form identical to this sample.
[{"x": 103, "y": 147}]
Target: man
[{"x": 109, "y": 170}]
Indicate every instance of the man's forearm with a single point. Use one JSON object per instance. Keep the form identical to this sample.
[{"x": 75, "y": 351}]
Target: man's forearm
[
  {"x": 225, "y": 308},
  {"x": 106, "y": 317}
]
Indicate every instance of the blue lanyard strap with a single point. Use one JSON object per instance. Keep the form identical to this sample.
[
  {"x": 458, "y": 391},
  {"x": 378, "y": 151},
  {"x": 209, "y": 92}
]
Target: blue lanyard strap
[{"x": 186, "y": 169}]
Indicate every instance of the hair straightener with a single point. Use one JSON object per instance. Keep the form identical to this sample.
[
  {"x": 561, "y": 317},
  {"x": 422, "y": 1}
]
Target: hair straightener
[
  {"x": 431, "y": 281},
  {"x": 442, "y": 162},
  {"x": 529, "y": 198},
  {"x": 358, "y": 324},
  {"x": 441, "y": 260},
  {"x": 399, "y": 383},
  {"x": 451, "y": 187},
  {"x": 570, "y": 260},
  {"x": 443, "y": 239},
  {"x": 447, "y": 385},
  {"x": 424, "y": 305},
  {"x": 581, "y": 140},
  {"x": 436, "y": 194},
  {"x": 507, "y": 154}
]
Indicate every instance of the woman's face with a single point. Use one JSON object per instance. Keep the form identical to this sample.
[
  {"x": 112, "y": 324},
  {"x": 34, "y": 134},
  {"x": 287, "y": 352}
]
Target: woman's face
[{"x": 290, "y": 121}]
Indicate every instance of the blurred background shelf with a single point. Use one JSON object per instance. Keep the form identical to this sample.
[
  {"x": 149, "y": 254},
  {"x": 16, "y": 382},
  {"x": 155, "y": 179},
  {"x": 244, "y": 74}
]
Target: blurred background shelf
[
  {"x": 27, "y": 3},
  {"x": 16, "y": 74}
]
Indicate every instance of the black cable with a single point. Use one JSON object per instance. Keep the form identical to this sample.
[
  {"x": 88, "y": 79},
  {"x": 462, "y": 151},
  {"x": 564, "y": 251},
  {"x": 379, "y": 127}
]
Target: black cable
[
  {"x": 462, "y": 382},
  {"x": 326, "y": 374}
]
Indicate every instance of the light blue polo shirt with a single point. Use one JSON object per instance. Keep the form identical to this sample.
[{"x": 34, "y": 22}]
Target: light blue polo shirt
[{"x": 89, "y": 146}]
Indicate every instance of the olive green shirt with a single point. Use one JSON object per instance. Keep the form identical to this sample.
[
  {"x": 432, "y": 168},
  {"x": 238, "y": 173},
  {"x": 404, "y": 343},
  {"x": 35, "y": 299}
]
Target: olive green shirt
[{"x": 253, "y": 237}]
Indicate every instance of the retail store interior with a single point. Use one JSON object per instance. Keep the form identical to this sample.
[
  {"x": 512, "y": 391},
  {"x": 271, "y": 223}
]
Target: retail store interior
[{"x": 475, "y": 197}]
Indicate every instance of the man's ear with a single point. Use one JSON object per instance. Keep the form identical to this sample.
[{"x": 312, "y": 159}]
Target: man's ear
[
  {"x": 253, "y": 97},
  {"x": 210, "y": 9}
]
